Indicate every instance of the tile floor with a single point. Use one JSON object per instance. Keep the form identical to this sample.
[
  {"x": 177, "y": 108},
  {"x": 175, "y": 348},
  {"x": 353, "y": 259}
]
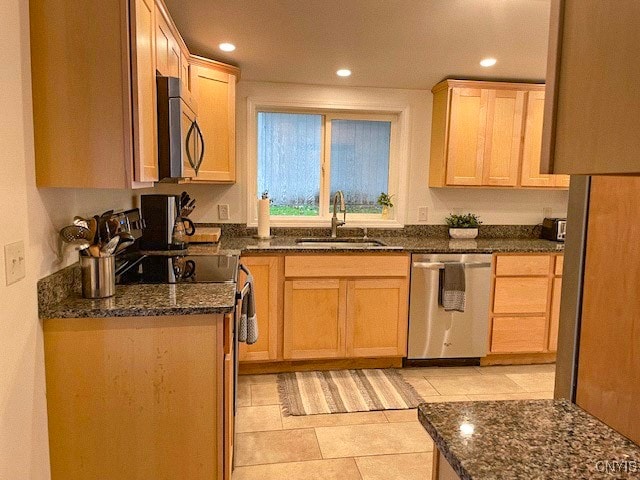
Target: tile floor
[{"x": 390, "y": 445}]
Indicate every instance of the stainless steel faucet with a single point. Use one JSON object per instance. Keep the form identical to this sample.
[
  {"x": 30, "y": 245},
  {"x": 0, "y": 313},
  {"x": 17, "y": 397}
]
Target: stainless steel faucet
[{"x": 335, "y": 223}]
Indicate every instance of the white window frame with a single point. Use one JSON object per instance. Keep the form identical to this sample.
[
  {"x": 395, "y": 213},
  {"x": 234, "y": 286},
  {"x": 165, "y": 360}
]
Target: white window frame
[{"x": 398, "y": 160}]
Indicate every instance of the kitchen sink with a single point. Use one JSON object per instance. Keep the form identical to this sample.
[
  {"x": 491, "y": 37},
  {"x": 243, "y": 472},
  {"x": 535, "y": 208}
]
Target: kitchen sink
[{"x": 341, "y": 243}]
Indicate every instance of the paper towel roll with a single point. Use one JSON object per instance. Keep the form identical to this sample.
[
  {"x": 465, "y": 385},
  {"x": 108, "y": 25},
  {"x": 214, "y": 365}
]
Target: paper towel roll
[{"x": 264, "y": 229}]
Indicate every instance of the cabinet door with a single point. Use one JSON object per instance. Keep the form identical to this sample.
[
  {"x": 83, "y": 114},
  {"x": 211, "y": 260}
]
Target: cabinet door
[
  {"x": 215, "y": 93},
  {"x": 520, "y": 295},
  {"x": 554, "y": 316},
  {"x": 531, "y": 176},
  {"x": 144, "y": 91},
  {"x": 377, "y": 317},
  {"x": 229, "y": 395},
  {"x": 518, "y": 335},
  {"x": 466, "y": 136},
  {"x": 266, "y": 282},
  {"x": 314, "y": 319},
  {"x": 185, "y": 72},
  {"x": 503, "y": 137},
  {"x": 163, "y": 41}
]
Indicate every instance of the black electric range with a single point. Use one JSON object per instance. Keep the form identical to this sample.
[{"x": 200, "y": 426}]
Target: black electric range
[{"x": 145, "y": 268}]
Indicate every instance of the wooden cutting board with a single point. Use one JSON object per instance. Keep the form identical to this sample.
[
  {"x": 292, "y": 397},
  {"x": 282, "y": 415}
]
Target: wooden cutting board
[{"x": 205, "y": 235}]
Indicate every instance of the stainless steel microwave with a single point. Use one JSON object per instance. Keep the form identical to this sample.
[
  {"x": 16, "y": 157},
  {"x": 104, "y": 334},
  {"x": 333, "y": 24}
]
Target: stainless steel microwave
[{"x": 180, "y": 140}]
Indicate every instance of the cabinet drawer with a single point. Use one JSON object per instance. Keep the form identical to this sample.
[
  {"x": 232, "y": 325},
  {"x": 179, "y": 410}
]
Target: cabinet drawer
[
  {"x": 346, "y": 266},
  {"x": 523, "y": 264},
  {"x": 559, "y": 264},
  {"x": 518, "y": 334},
  {"x": 520, "y": 295}
]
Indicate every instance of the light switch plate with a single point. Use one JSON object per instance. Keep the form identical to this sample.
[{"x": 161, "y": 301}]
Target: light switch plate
[
  {"x": 423, "y": 214},
  {"x": 223, "y": 212},
  {"x": 14, "y": 262}
]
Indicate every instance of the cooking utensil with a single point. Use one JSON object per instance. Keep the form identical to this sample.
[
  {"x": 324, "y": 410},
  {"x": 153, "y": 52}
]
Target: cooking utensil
[
  {"x": 110, "y": 247},
  {"x": 122, "y": 245},
  {"x": 80, "y": 222},
  {"x": 104, "y": 234},
  {"x": 74, "y": 233},
  {"x": 94, "y": 250}
]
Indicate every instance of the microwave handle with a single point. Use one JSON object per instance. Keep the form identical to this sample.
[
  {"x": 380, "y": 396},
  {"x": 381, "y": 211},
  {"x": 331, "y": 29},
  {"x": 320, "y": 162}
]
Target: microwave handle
[
  {"x": 188, "y": 144},
  {"x": 201, "y": 156}
]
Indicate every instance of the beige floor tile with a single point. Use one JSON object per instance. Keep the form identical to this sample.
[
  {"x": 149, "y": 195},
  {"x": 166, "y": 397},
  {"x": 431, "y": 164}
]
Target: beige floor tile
[
  {"x": 534, "y": 382},
  {"x": 380, "y": 439},
  {"x": 265, "y": 394},
  {"x": 395, "y": 416},
  {"x": 258, "y": 419},
  {"x": 244, "y": 395},
  {"x": 258, "y": 379},
  {"x": 333, "y": 469},
  {"x": 504, "y": 369},
  {"x": 449, "y": 371},
  {"x": 333, "y": 420},
  {"x": 476, "y": 384},
  {"x": 421, "y": 386},
  {"x": 446, "y": 398},
  {"x": 513, "y": 396},
  {"x": 410, "y": 466},
  {"x": 257, "y": 448}
]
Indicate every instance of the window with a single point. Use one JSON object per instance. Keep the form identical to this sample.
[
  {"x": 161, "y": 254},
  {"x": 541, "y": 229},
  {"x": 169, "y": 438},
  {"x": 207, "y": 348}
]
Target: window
[{"x": 304, "y": 158}]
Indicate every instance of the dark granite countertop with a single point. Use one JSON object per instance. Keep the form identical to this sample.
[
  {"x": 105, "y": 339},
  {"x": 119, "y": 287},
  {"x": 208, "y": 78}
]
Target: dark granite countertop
[
  {"x": 287, "y": 244},
  {"x": 149, "y": 300},
  {"x": 528, "y": 439}
]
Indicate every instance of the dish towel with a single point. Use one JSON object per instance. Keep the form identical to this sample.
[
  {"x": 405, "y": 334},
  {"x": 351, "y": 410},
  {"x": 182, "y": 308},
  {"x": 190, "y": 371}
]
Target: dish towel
[
  {"x": 453, "y": 287},
  {"x": 248, "y": 328}
]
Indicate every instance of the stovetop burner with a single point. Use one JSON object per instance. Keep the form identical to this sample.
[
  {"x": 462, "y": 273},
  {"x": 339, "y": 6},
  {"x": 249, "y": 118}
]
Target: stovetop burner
[{"x": 178, "y": 269}]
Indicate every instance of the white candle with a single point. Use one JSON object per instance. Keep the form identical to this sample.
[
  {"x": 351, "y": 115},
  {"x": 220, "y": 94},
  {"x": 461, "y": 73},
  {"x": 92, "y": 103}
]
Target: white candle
[{"x": 264, "y": 229}]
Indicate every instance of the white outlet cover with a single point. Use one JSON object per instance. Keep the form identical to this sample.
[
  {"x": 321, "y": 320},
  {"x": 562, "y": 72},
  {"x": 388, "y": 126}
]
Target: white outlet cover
[
  {"x": 423, "y": 214},
  {"x": 14, "y": 262},
  {"x": 223, "y": 212}
]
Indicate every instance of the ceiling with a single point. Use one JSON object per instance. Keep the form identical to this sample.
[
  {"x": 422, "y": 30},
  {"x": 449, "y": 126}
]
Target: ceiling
[{"x": 386, "y": 43}]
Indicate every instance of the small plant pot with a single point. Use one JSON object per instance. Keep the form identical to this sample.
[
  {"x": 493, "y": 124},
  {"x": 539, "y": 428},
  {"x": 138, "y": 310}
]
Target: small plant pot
[
  {"x": 385, "y": 212},
  {"x": 463, "y": 233}
]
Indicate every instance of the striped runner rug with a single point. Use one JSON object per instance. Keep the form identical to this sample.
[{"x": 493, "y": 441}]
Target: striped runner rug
[{"x": 343, "y": 391}]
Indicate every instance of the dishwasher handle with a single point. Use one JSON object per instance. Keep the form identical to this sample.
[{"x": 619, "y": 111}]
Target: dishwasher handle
[{"x": 440, "y": 265}]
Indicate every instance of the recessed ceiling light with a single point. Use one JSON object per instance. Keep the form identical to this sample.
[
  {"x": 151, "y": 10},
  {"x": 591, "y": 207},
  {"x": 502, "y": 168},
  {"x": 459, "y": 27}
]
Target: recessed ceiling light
[
  {"x": 227, "y": 47},
  {"x": 488, "y": 62},
  {"x": 343, "y": 72}
]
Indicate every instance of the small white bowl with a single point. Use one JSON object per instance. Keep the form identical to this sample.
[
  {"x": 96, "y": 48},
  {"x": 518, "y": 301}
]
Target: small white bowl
[{"x": 463, "y": 233}]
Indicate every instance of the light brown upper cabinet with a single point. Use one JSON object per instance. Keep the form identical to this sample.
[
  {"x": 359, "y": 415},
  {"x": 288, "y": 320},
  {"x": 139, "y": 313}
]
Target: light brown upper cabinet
[
  {"x": 478, "y": 132},
  {"x": 167, "y": 50},
  {"x": 214, "y": 89},
  {"x": 531, "y": 176},
  {"x": 94, "y": 101},
  {"x": 594, "y": 97},
  {"x": 94, "y": 106}
]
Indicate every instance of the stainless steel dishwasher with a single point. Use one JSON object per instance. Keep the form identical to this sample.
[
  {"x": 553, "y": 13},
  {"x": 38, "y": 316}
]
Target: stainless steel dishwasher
[{"x": 436, "y": 334}]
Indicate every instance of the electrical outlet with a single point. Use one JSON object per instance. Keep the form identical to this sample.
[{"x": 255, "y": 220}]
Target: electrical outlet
[
  {"x": 547, "y": 212},
  {"x": 223, "y": 212},
  {"x": 14, "y": 262},
  {"x": 423, "y": 213}
]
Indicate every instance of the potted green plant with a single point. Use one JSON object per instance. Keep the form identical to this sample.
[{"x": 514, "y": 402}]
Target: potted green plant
[
  {"x": 384, "y": 200},
  {"x": 463, "y": 226}
]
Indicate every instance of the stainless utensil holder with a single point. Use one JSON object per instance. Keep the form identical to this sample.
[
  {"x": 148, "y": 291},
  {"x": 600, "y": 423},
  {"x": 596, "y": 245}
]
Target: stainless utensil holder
[{"x": 98, "y": 276}]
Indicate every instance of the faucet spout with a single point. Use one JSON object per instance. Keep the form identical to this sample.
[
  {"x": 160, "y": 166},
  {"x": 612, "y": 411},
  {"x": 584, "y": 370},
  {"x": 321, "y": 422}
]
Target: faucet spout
[{"x": 335, "y": 223}]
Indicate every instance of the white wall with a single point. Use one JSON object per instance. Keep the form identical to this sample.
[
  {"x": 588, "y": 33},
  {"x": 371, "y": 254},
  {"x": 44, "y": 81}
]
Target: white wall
[
  {"x": 33, "y": 216},
  {"x": 495, "y": 206}
]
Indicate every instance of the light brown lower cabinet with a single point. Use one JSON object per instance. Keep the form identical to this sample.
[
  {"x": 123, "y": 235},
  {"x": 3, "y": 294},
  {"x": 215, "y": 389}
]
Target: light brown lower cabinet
[
  {"x": 344, "y": 310},
  {"x": 266, "y": 272},
  {"x": 314, "y": 319},
  {"x": 137, "y": 398},
  {"x": 525, "y": 304}
]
